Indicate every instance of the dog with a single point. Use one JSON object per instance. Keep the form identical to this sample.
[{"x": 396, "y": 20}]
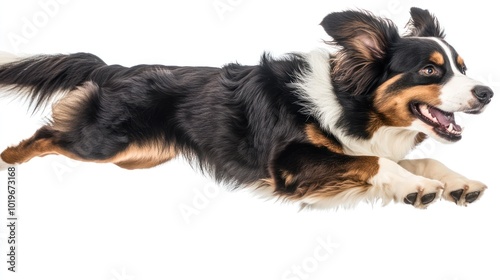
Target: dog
[{"x": 328, "y": 128}]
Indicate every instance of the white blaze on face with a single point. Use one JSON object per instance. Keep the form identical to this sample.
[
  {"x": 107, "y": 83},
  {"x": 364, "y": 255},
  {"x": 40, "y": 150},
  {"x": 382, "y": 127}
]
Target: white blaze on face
[{"x": 457, "y": 94}]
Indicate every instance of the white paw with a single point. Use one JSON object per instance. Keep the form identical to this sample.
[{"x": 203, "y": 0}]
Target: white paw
[
  {"x": 422, "y": 192},
  {"x": 400, "y": 185},
  {"x": 461, "y": 190}
]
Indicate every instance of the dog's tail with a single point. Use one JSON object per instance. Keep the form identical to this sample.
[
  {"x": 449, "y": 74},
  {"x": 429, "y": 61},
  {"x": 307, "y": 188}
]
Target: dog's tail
[{"x": 39, "y": 78}]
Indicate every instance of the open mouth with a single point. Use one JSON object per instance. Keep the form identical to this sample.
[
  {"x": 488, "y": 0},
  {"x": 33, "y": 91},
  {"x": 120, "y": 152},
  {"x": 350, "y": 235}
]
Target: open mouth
[{"x": 443, "y": 123}]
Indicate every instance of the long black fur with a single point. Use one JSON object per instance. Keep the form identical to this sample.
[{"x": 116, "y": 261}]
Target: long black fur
[
  {"x": 231, "y": 119},
  {"x": 44, "y": 75}
]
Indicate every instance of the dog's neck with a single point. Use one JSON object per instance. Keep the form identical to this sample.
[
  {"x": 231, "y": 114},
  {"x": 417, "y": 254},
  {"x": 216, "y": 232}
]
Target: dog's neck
[
  {"x": 388, "y": 142},
  {"x": 316, "y": 90}
]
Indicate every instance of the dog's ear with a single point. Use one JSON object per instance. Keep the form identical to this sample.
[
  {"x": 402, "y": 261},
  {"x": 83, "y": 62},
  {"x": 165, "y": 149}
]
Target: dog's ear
[
  {"x": 365, "y": 42},
  {"x": 423, "y": 24},
  {"x": 361, "y": 32}
]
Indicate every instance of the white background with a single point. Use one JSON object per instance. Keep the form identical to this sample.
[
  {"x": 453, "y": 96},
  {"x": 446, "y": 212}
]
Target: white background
[{"x": 90, "y": 221}]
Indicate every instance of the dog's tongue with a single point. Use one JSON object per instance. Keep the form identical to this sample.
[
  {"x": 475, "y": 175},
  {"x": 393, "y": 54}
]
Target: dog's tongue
[{"x": 445, "y": 119}]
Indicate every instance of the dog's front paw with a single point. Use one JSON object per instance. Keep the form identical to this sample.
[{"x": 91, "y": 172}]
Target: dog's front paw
[
  {"x": 423, "y": 192},
  {"x": 462, "y": 191}
]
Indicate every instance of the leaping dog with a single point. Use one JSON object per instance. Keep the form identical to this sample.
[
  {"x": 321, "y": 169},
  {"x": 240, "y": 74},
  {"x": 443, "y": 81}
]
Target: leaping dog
[{"x": 327, "y": 128}]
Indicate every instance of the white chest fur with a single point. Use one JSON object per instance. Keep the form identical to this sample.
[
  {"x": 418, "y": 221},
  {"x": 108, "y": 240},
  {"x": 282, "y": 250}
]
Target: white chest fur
[
  {"x": 316, "y": 92},
  {"x": 388, "y": 142}
]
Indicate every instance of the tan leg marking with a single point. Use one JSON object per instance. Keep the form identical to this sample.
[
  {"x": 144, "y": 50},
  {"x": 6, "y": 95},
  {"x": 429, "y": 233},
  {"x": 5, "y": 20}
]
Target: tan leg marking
[
  {"x": 132, "y": 157},
  {"x": 318, "y": 138},
  {"x": 144, "y": 156}
]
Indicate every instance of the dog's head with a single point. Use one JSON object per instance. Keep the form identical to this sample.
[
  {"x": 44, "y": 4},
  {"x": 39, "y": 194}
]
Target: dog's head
[{"x": 415, "y": 81}]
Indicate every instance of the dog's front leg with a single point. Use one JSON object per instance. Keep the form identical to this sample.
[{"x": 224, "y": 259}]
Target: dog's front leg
[
  {"x": 321, "y": 178},
  {"x": 458, "y": 188}
]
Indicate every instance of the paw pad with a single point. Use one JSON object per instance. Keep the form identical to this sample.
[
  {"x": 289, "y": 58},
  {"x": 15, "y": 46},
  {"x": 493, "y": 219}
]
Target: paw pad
[
  {"x": 411, "y": 198},
  {"x": 428, "y": 198},
  {"x": 471, "y": 197},
  {"x": 425, "y": 199},
  {"x": 456, "y": 195}
]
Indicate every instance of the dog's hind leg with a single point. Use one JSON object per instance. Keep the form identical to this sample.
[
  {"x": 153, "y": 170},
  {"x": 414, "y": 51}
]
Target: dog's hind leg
[
  {"x": 46, "y": 142},
  {"x": 76, "y": 133},
  {"x": 40, "y": 144}
]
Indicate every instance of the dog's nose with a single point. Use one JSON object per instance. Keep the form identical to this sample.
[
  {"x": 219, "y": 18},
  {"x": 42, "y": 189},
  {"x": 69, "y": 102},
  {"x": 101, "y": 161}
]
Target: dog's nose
[{"x": 483, "y": 94}]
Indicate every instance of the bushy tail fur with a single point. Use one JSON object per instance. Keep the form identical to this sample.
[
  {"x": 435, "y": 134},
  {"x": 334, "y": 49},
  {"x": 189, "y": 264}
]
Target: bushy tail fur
[{"x": 38, "y": 78}]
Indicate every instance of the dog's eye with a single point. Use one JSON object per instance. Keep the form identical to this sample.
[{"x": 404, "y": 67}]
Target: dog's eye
[{"x": 429, "y": 70}]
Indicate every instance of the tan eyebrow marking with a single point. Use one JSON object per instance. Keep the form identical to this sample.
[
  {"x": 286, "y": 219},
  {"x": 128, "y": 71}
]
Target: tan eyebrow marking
[
  {"x": 460, "y": 61},
  {"x": 437, "y": 58}
]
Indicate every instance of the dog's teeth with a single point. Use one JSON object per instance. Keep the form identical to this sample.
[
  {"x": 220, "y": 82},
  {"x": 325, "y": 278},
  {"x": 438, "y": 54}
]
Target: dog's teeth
[
  {"x": 451, "y": 128},
  {"x": 425, "y": 111}
]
